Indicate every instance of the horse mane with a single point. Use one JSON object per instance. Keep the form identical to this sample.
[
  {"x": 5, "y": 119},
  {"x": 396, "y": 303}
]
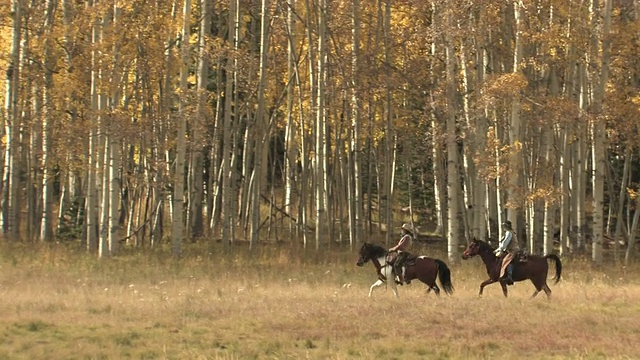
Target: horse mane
[
  {"x": 376, "y": 250},
  {"x": 484, "y": 244}
]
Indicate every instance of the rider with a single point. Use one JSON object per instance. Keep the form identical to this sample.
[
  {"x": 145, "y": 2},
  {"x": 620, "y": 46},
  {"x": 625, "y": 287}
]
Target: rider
[
  {"x": 398, "y": 254},
  {"x": 507, "y": 247}
]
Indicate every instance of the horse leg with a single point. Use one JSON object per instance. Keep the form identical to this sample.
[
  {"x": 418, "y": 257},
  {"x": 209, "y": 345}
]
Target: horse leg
[
  {"x": 436, "y": 289},
  {"x": 394, "y": 288},
  {"x": 538, "y": 288},
  {"x": 547, "y": 291},
  {"x": 375, "y": 285},
  {"x": 485, "y": 283},
  {"x": 504, "y": 288}
]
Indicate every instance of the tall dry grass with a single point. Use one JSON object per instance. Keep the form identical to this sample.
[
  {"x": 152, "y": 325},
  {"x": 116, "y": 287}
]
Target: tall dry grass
[{"x": 284, "y": 303}]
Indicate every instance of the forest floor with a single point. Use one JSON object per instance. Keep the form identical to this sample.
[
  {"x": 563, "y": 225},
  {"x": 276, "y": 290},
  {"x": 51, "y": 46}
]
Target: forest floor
[{"x": 56, "y": 303}]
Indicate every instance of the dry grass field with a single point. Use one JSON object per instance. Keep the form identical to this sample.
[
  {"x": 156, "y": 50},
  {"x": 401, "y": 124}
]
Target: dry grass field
[{"x": 59, "y": 304}]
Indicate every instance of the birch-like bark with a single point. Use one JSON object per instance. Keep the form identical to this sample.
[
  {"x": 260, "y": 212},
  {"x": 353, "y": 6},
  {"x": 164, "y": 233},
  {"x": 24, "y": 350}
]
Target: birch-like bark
[
  {"x": 579, "y": 168},
  {"x": 227, "y": 213},
  {"x": 320, "y": 138},
  {"x": 118, "y": 79},
  {"x": 290, "y": 156},
  {"x": 390, "y": 136},
  {"x": 197, "y": 165},
  {"x": 515, "y": 177},
  {"x": 354, "y": 176},
  {"x": 437, "y": 153},
  {"x": 453, "y": 167},
  {"x": 104, "y": 146},
  {"x": 91, "y": 204},
  {"x": 10, "y": 210},
  {"x": 480, "y": 193},
  {"x": 439, "y": 178},
  {"x": 260, "y": 128},
  {"x": 160, "y": 129},
  {"x": 177, "y": 228},
  {"x": 46, "y": 227},
  {"x": 622, "y": 200},
  {"x": 598, "y": 127},
  {"x": 549, "y": 147}
]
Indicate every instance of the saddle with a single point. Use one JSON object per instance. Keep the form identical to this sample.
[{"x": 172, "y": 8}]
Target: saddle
[{"x": 411, "y": 260}]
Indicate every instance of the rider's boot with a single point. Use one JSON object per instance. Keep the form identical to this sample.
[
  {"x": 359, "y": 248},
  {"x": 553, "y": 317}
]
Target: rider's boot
[
  {"x": 399, "y": 278},
  {"x": 509, "y": 275}
]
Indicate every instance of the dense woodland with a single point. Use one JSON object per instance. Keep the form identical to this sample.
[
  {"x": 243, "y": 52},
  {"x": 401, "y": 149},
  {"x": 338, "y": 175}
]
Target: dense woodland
[{"x": 140, "y": 123}]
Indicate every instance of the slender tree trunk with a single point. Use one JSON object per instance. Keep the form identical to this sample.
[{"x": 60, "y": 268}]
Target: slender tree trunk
[
  {"x": 197, "y": 166},
  {"x": 228, "y": 233},
  {"x": 453, "y": 167},
  {"x": 355, "y": 181},
  {"x": 10, "y": 210},
  {"x": 598, "y": 130},
  {"x": 515, "y": 177},
  {"x": 118, "y": 79},
  {"x": 622, "y": 200},
  {"x": 46, "y": 227},
  {"x": 439, "y": 193},
  {"x": 390, "y": 136},
  {"x": 579, "y": 170},
  {"x": 91, "y": 204},
  {"x": 290, "y": 157},
  {"x": 633, "y": 233},
  {"x": 260, "y": 128},
  {"x": 320, "y": 137},
  {"x": 177, "y": 228}
]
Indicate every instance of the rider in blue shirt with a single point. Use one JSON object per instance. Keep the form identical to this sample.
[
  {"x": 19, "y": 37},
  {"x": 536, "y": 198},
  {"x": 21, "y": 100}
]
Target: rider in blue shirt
[{"x": 505, "y": 252}]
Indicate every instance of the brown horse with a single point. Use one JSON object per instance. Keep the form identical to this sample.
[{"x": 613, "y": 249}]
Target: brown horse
[
  {"x": 422, "y": 268},
  {"x": 535, "y": 268}
]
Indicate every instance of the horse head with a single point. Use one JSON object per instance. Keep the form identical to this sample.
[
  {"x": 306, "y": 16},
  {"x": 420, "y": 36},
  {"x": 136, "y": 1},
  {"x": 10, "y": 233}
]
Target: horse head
[
  {"x": 364, "y": 255},
  {"x": 369, "y": 252},
  {"x": 472, "y": 249}
]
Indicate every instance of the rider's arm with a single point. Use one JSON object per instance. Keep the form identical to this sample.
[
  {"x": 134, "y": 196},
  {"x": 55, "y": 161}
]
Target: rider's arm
[
  {"x": 504, "y": 244},
  {"x": 401, "y": 244}
]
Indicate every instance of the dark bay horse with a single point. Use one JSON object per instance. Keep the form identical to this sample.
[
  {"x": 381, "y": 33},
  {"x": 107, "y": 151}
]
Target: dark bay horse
[
  {"x": 423, "y": 268},
  {"x": 535, "y": 268}
]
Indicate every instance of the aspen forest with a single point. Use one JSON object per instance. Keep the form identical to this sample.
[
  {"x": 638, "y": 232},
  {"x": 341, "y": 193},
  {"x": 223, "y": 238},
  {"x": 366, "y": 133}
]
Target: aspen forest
[{"x": 322, "y": 122}]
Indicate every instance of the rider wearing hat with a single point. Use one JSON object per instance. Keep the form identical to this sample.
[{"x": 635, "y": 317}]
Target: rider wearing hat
[
  {"x": 398, "y": 254},
  {"x": 507, "y": 247}
]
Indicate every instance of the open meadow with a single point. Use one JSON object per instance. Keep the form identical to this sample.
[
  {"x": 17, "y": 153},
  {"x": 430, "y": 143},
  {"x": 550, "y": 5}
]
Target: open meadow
[{"x": 56, "y": 303}]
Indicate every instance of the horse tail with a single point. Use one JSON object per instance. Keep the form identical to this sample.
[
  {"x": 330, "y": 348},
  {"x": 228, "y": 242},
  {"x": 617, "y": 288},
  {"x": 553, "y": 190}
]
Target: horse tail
[
  {"x": 445, "y": 276},
  {"x": 558, "y": 265}
]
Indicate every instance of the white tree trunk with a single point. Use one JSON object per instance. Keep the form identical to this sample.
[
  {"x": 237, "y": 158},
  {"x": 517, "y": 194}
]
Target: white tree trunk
[
  {"x": 453, "y": 167},
  {"x": 260, "y": 128},
  {"x": 46, "y": 227},
  {"x": 227, "y": 168},
  {"x": 598, "y": 130},
  {"x": 355, "y": 181},
  {"x": 91, "y": 204},
  {"x": 514, "y": 207},
  {"x": 177, "y": 228},
  {"x": 320, "y": 138},
  {"x": 197, "y": 165},
  {"x": 290, "y": 157}
]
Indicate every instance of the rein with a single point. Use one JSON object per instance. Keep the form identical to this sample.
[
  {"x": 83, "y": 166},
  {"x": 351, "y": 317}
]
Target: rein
[{"x": 377, "y": 264}]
